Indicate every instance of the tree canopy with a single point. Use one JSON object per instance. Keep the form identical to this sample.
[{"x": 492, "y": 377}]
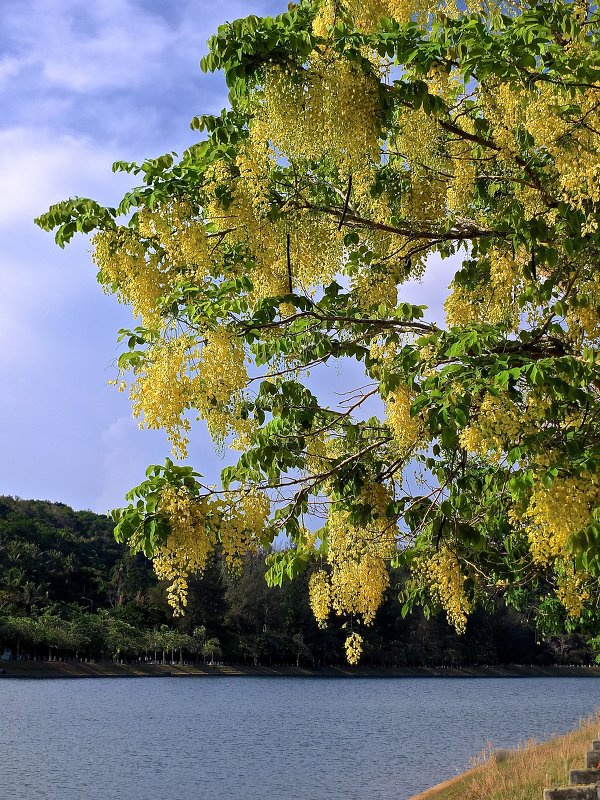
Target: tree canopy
[{"x": 362, "y": 139}]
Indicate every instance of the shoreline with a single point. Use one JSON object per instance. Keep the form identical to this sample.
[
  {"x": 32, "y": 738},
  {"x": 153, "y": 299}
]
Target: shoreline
[
  {"x": 41, "y": 670},
  {"x": 447, "y": 784},
  {"x": 523, "y": 772}
]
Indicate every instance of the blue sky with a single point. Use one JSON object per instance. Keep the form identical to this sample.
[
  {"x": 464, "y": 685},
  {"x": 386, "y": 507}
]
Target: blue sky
[{"x": 81, "y": 85}]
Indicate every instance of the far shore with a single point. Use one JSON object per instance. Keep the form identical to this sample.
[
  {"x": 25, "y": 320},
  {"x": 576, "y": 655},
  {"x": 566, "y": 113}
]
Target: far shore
[{"x": 107, "y": 669}]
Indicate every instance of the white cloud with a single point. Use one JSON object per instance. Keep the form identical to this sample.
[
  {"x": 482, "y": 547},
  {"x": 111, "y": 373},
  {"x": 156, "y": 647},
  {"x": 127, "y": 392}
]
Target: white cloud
[
  {"x": 118, "y": 45},
  {"x": 124, "y": 74},
  {"x": 38, "y": 168},
  {"x": 10, "y": 66},
  {"x": 38, "y": 280},
  {"x": 110, "y": 44},
  {"x": 85, "y": 46}
]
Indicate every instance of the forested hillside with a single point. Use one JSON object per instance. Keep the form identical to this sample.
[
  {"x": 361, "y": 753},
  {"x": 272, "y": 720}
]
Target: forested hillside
[{"x": 68, "y": 589}]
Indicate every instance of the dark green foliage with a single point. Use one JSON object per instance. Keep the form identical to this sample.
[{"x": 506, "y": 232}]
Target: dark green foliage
[{"x": 68, "y": 588}]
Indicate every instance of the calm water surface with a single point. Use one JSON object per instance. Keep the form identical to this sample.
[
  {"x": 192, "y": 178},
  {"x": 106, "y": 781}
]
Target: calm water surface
[{"x": 259, "y": 738}]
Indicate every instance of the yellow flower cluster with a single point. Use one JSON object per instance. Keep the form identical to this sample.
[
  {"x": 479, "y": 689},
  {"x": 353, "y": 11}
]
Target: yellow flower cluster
[
  {"x": 357, "y": 557},
  {"x": 461, "y": 187},
  {"x": 406, "y": 429},
  {"x": 554, "y": 514},
  {"x": 124, "y": 269},
  {"x": 367, "y": 14},
  {"x": 317, "y": 456},
  {"x": 353, "y": 646},
  {"x": 189, "y": 545},
  {"x": 504, "y": 105},
  {"x": 319, "y": 596},
  {"x": 330, "y": 110},
  {"x": 181, "y": 236},
  {"x": 462, "y": 307},
  {"x": 253, "y": 162},
  {"x": 170, "y": 245},
  {"x": 506, "y": 280},
  {"x": 220, "y": 378},
  {"x": 419, "y": 139},
  {"x": 196, "y": 525},
  {"x": 573, "y": 142},
  {"x": 494, "y": 300},
  {"x": 571, "y": 591},
  {"x": 246, "y": 220},
  {"x": 243, "y": 522},
  {"x": 316, "y": 249},
  {"x": 298, "y": 250},
  {"x": 176, "y": 376},
  {"x": 358, "y": 585},
  {"x": 584, "y": 320},
  {"x": 375, "y": 288},
  {"x": 442, "y": 575},
  {"x": 162, "y": 390},
  {"x": 325, "y": 17},
  {"x": 500, "y": 424},
  {"x": 383, "y": 352},
  {"x": 570, "y": 139}
]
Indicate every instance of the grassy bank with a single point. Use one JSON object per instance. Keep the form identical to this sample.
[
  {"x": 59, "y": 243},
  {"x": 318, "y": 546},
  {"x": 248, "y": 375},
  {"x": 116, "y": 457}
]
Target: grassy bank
[
  {"x": 523, "y": 773},
  {"x": 74, "y": 669}
]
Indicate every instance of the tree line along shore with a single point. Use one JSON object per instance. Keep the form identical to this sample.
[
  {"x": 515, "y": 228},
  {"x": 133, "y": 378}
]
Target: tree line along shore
[{"x": 70, "y": 593}]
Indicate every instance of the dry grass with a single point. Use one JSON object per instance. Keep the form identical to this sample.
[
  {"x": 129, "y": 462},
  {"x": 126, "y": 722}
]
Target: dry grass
[{"x": 523, "y": 773}]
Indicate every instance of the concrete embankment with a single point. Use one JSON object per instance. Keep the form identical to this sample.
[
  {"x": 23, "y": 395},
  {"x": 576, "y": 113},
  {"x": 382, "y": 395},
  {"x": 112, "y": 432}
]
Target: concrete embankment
[{"x": 80, "y": 669}]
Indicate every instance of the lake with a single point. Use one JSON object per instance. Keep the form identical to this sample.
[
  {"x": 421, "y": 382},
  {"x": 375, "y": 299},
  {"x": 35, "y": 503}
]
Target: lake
[{"x": 258, "y": 738}]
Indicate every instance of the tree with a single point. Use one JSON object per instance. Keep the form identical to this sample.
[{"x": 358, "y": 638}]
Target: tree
[
  {"x": 198, "y": 639},
  {"x": 364, "y": 142},
  {"x": 165, "y": 641},
  {"x": 211, "y": 649},
  {"x": 253, "y": 645},
  {"x": 154, "y": 642},
  {"x": 122, "y": 639},
  {"x": 22, "y": 630},
  {"x": 59, "y": 634},
  {"x": 300, "y": 647}
]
